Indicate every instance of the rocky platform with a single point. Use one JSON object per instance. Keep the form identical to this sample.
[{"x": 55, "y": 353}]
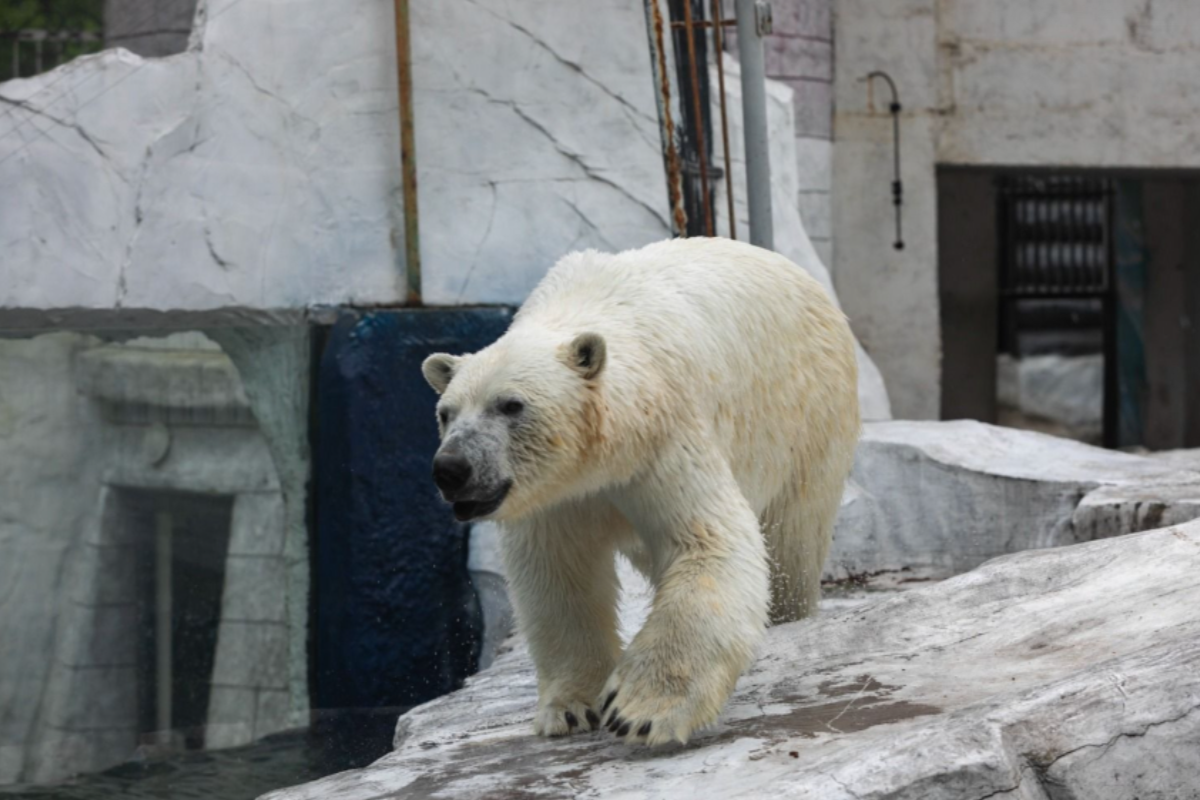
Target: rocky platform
[{"x": 1048, "y": 674}]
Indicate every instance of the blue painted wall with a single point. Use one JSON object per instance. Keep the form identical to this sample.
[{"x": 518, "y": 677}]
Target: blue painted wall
[{"x": 396, "y": 621}]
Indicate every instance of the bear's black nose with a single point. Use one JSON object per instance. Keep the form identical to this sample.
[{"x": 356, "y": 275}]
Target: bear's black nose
[{"x": 451, "y": 472}]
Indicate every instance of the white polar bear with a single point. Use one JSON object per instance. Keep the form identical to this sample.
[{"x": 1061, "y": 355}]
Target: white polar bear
[{"x": 692, "y": 404}]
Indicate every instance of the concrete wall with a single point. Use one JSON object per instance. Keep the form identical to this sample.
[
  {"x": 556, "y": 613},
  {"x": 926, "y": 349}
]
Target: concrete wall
[
  {"x": 82, "y": 424},
  {"x": 47, "y": 491},
  {"x": 799, "y": 54},
  {"x": 1078, "y": 83},
  {"x": 260, "y": 169}
]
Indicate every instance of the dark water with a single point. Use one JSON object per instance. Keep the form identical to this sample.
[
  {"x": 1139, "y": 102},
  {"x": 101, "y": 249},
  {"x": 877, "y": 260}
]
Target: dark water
[{"x": 239, "y": 773}]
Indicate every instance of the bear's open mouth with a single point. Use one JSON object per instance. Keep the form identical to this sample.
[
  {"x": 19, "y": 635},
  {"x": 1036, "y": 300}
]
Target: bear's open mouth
[{"x": 465, "y": 510}]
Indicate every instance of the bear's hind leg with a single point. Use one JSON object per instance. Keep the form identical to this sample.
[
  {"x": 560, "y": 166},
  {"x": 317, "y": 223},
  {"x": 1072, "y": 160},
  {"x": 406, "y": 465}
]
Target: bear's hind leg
[{"x": 798, "y": 533}]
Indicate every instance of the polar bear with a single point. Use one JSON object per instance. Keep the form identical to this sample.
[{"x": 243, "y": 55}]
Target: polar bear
[{"x": 693, "y": 405}]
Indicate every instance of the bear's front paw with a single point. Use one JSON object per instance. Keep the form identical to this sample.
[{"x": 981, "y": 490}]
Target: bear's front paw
[
  {"x": 651, "y": 701},
  {"x": 560, "y": 718}
]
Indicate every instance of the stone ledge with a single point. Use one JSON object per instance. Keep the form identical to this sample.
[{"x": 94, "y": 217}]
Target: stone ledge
[
  {"x": 1055, "y": 668},
  {"x": 934, "y": 499}
]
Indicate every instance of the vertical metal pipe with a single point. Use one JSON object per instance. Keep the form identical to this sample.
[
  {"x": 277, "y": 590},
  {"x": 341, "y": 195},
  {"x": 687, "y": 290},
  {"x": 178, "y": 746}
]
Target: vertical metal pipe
[
  {"x": 662, "y": 97},
  {"x": 700, "y": 115},
  {"x": 1112, "y": 381},
  {"x": 163, "y": 590},
  {"x": 408, "y": 154},
  {"x": 718, "y": 23},
  {"x": 754, "y": 124}
]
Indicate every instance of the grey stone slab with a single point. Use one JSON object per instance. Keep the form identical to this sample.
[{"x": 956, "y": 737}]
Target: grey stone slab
[
  {"x": 273, "y": 712},
  {"x": 1062, "y": 673},
  {"x": 255, "y": 589},
  {"x": 231, "y": 712},
  {"x": 815, "y": 210},
  {"x": 1186, "y": 459},
  {"x": 798, "y": 57},
  {"x": 113, "y": 578},
  {"x": 814, "y": 167},
  {"x": 803, "y": 18},
  {"x": 99, "y": 636},
  {"x": 251, "y": 655},
  {"x": 933, "y": 499},
  {"x": 210, "y": 460},
  {"x": 82, "y": 699},
  {"x": 257, "y": 527},
  {"x": 121, "y": 373},
  {"x": 1116, "y": 510},
  {"x": 60, "y": 754},
  {"x": 824, "y": 248},
  {"x": 814, "y": 107}
]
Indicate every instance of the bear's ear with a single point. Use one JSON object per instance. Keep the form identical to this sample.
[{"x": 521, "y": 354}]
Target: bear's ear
[
  {"x": 438, "y": 369},
  {"x": 586, "y": 355}
]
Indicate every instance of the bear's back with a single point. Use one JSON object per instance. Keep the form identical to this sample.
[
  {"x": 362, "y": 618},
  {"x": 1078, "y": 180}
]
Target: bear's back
[{"x": 713, "y": 330}]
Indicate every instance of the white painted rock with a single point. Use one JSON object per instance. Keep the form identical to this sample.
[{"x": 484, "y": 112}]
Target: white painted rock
[
  {"x": 1188, "y": 459},
  {"x": 234, "y": 177},
  {"x": 1065, "y": 673},
  {"x": 933, "y": 499}
]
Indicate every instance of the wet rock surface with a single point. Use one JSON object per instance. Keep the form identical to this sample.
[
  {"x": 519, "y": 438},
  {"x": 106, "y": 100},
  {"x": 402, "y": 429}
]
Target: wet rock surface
[{"x": 1060, "y": 673}]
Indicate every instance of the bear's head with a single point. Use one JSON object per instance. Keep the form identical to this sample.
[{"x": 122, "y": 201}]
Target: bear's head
[{"x": 519, "y": 421}]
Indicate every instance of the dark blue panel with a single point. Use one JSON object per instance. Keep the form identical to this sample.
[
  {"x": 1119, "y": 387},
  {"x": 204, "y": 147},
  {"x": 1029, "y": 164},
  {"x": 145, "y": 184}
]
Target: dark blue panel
[{"x": 396, "y": 620}]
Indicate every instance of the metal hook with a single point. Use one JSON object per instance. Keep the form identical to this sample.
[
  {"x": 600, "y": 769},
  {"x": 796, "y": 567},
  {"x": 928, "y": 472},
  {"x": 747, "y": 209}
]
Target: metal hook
[{"x": 897, "y": 185}]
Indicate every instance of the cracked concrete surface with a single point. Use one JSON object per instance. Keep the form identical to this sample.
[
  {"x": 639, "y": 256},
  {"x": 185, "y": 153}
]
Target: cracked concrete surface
[
  {"x": 1061, "y": 673},
  {"x": 260, "y": 168}
]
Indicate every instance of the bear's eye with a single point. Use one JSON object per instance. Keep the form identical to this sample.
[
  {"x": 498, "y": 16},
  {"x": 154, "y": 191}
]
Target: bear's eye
[
  {"x": 511, "y": 408},
  {"x": 444, "y": 417}
]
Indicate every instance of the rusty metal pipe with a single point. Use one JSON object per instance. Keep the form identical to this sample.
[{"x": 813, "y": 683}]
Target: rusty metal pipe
[
  {"x": 720, "y": 56},
  {"x": 408, "y": 155},
  {"x": 662, "y": 82},
  {"x": 700, "y": 116},
  {"x": 728, "y": 23}
]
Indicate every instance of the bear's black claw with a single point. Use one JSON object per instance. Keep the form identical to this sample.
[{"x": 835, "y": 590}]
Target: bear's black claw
[
  {"x": 571, "y": 721},
  {"x": 592, "y": 719},
  {"x": 616, "y": 723},
  {"x": 624, "y": 729},
  {"x": 644, "y": 730},
  {"x": 612, "y": 696}
]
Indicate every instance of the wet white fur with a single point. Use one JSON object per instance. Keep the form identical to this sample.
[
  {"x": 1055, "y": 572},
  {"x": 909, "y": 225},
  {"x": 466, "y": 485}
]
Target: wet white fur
[{"x": 712, "y": 448}]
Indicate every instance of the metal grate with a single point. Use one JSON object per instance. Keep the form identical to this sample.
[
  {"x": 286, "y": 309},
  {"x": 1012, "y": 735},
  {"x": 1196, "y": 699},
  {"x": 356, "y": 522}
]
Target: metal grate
[
  {"x": 25, "y": 53},
  {"x": 1056, "y": 236},
  {"x": 688, "y": 148},
  {"x": 1056, "y": 266}
]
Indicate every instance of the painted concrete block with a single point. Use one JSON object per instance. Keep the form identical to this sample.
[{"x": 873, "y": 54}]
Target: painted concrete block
[{"x": 397, "y": 621}]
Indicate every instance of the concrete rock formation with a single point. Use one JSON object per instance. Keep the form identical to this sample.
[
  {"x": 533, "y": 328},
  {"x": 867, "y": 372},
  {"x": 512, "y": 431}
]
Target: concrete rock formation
[
  {"x": 221, "y": 180},
  {"x": 927, "y": 500},
  {"x": 1055, "y": 673}
]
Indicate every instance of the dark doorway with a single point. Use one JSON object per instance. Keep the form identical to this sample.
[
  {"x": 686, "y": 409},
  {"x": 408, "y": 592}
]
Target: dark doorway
[
  {"x": 1066, "y": 302},
  {"x": 1058, "y": 305},
  {"x": 183, "y": 540}
]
